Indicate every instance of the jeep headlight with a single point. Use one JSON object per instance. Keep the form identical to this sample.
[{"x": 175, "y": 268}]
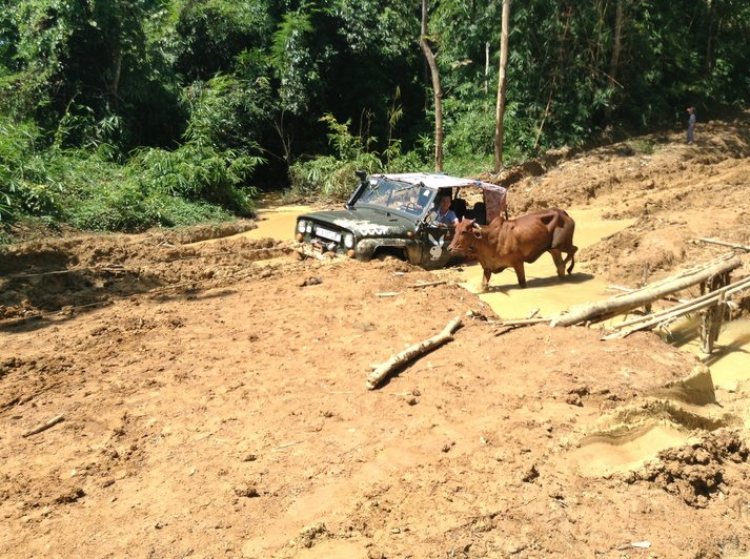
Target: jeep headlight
[
  {"x": 301, "y": 226},
  {"x": 348, "y": 240},
  {"x": 308, "y": 227}
]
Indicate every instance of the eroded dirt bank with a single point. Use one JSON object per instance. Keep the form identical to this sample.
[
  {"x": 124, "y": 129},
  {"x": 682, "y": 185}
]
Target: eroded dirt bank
[{"x": 213, "y": 399}]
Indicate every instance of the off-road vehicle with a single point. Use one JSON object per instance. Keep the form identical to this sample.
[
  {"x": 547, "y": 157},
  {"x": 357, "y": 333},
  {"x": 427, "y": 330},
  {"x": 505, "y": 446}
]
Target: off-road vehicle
[{"x": 394, "y": 214}]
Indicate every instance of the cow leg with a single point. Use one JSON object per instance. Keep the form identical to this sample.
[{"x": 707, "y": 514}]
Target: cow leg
[
  {"x": 520, "y": 273},
  {"x": 559, "y": 264},
  {"x": 486, "y": 279}
]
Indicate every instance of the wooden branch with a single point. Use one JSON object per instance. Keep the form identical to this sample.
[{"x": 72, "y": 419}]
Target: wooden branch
[
  {"x": 620, "y": 288},
  {"x": 725, "y": 244},
  {"x": 524, "y": 321},
  {"x": 714, "y": 300},
  {"x": 428, "y": 284},
  {"x": 108, "y": 268},
  {"x": 388, "y": 294},
  {"x": 683, "y": 274},
  {"x": 410, "y": 353},
  {"x": 711, "y": 297},
  {"x": 602, "y": 310},
  {"x": 661, "y": 319},
  {"x": 508, "y": 325},
  {"x": 44, "y": 426}
]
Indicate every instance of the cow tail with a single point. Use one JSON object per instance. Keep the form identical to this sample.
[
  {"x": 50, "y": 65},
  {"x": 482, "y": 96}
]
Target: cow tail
[{"x": 557, "y": 229}]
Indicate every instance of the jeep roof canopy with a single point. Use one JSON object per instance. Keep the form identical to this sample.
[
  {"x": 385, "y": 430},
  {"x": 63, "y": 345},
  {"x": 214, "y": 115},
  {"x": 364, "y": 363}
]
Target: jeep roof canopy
[{"x": 494, "y": 195}]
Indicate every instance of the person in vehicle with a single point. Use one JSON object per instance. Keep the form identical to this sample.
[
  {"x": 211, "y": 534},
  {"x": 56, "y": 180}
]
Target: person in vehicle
[{"x": 445, "y": 216}]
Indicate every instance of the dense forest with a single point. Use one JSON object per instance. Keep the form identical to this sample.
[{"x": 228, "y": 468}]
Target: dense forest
[{"x": 127, "y": 114}]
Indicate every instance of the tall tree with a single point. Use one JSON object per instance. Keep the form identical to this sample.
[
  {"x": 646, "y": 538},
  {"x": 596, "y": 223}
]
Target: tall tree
[
  {"x": 500, "y": 108},
  {"x": 437, "y": 92}
]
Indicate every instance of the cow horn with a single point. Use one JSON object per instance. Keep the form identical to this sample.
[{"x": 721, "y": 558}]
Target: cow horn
[{"x": 475, "y": 225}]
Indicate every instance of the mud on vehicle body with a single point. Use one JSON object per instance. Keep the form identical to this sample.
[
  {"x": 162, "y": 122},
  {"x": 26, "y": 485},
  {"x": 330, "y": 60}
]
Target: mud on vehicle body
[{"x": 395, "y": 214}]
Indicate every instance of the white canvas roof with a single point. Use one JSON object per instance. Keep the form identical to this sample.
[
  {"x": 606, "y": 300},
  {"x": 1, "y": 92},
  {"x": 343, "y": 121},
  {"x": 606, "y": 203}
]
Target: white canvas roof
[
  {"x": 494, "y": 195},
  {"x": 437, "y": 181}
]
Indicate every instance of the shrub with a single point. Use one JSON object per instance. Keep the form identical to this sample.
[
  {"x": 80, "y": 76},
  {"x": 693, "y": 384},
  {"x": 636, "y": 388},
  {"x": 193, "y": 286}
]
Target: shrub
[{"x": 332, "y": 177}]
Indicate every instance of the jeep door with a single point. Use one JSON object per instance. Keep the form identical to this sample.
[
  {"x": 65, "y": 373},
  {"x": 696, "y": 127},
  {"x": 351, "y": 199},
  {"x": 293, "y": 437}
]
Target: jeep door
[{"x": 435, "y": 241}]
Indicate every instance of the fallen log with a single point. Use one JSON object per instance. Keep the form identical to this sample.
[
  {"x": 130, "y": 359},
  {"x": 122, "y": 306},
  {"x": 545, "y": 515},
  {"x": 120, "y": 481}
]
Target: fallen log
[
  {"x": 685, "y": 273},
  {"x": 713, "y": 303},
  {"x": 602, "y": 310},
  {"x": 398, "y": 360}
]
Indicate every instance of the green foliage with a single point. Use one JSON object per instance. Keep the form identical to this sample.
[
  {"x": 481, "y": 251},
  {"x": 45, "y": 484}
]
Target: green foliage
[
  {"x": 26, "y": 182},
  {"x": 331, "y": 176},
  {"x": 294, "y": 62},
  {"x": 208, "y": 36},
  {"x": 156, "y": 187},
  {"x": 129, "y": 208},
  {"x": 197, "y": 172},
  {"x": 644, "y": 146},
  {"x": 227, "y": 112}
]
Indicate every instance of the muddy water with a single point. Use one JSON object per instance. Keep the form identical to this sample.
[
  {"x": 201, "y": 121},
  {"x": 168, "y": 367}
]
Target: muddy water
[
  {"x": 277, "y": 223},
  {"x": 730, "y": 360}
]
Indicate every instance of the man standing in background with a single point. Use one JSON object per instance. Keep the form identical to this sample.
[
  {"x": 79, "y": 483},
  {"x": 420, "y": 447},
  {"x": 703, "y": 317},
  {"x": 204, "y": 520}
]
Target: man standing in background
[{"x": 691, "y": 124}]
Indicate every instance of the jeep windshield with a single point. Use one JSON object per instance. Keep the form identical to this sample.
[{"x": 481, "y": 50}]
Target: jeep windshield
[{"x": 402, "y": 197}]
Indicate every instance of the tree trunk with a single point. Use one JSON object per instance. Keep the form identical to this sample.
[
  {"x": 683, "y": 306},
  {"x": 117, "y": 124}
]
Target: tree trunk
[
  {"x": 437, "y": 91},
  {"x": 709, "y": 41},
  {"x": 486, "y": 68},
  {"x": 614, "y": 63},
  {"x": 500, "y": 108}
]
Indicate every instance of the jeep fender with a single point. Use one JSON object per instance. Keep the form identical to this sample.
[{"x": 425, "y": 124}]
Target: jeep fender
[{"x": 366, "y": 248}]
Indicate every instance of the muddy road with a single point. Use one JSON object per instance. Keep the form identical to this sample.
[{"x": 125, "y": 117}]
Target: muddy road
[{"x": 213, "y": 403}]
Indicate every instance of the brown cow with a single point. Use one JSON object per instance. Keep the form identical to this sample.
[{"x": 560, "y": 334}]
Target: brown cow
[{"x": 507, "y": 243}]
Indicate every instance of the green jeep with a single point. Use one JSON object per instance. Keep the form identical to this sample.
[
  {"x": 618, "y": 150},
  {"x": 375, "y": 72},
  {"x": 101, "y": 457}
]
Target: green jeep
[{"x": 396, "y": 215}]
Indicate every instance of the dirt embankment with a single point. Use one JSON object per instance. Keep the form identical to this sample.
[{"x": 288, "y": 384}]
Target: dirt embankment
[
  {"x": 213, "y": 396},
  {"x": 678, "y": 193}
]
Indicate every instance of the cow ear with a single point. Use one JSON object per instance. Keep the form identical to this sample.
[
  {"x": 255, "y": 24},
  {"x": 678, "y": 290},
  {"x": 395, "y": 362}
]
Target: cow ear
[{"x": 477, "y": 232}]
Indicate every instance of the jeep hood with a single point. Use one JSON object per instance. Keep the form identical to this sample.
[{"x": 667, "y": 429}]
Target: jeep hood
[{"x": 365, "y": 222}]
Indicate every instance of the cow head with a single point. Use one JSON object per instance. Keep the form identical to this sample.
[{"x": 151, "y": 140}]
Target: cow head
[{"x": 467, "y": 232}]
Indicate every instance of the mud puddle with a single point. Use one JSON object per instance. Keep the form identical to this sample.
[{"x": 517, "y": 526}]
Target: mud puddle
[
  {"x": 276, "y": 223},
  {"x": 603, "y": 457},
  {"x": 730, "y": 360},
  {"x": 272, "y": 223}
]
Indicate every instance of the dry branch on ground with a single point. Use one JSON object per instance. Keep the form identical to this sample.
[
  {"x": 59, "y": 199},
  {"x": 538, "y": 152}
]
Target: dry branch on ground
[{"x": 382, "y": 371}]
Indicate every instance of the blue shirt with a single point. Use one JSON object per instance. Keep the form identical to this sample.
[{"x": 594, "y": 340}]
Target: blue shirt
[{"x": 448, "y": 218}]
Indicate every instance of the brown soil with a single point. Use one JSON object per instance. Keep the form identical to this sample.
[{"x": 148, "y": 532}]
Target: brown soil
[{"x": 213, "y": 394}]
